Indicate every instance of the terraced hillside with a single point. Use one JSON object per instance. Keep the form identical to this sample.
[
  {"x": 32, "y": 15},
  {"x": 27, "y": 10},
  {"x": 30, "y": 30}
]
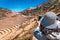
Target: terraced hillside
[
  {"x": 16, "y": 26},
  {"x": 18, "y": 31}
]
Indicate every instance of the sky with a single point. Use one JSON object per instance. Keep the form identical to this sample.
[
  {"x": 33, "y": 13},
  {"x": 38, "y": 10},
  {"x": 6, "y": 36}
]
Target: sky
[{"x": 19, "y": 5}]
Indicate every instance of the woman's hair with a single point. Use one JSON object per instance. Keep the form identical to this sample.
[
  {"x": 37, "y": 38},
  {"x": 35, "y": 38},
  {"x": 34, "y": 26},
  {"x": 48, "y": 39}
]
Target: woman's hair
[
  {"x": 41, "y": 27},
  {"x": 39, "y": 17}
]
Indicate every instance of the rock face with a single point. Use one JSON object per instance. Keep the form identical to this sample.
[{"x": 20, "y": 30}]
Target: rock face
[{"x": 50, "y": 5}]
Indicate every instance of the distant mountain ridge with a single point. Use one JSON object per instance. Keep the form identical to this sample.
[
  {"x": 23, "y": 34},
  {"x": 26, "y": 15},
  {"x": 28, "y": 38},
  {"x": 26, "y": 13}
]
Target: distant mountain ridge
[
  {"x": 4, "y": 12},
  {"x": 50, "y": 5}
]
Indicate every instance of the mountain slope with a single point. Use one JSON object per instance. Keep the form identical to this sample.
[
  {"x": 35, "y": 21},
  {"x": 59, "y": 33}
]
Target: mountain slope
[{"x": 50, "y": 5}]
